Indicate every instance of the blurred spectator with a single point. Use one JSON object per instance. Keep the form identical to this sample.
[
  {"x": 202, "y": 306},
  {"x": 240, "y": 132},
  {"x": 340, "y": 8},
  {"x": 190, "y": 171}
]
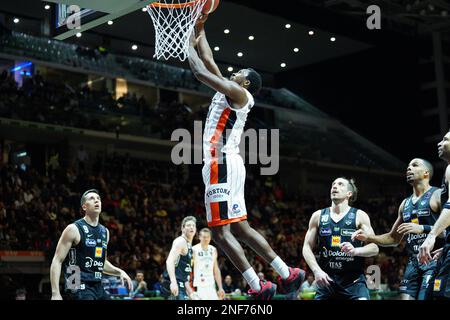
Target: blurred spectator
[
  {"x": 309, "y": 284},
  {"x": 139, "y": 285}
]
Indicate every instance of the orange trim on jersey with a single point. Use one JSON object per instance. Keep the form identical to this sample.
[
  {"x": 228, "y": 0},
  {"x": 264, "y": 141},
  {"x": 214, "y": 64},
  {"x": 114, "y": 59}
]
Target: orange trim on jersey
[
  {"x": 217, "y": 223},
  {"x": 214, "y": 179},
  {"x": 221, "y": 124}
]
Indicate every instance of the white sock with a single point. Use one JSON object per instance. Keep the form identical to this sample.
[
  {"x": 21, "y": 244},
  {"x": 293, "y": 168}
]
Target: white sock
[
  {"x": 280, "y": 267},
  {"x": 252, "y": 279}
]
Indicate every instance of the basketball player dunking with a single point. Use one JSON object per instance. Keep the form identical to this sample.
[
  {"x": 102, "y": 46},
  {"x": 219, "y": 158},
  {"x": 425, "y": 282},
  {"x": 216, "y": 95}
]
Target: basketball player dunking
[
  {"x": 416, "y": 215},
  {"x": 224, "y": 170},
  {"x": 82, "y": 249},
  {"x": 175, "y": 285},
  {"x": 340, "y": 271},
  {"x": 206, "y": 269},
  {"x": 441, "y": 286}
]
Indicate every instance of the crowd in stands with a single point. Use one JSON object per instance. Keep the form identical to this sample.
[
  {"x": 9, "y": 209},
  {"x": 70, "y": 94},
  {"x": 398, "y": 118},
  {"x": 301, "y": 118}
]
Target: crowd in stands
[{"x": 143, "y": 204}]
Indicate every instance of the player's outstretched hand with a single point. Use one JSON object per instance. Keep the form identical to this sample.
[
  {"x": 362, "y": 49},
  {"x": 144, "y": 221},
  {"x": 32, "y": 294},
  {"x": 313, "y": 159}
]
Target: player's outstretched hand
[
  {"x": 437, "y": 253},
  {"x": 360, "y": 235},
  {"x": 424, "y": 255},
  {"x": 201, "y": 20},
  {"x": 407, "y": 228},
  {"x": 322, "y": 278},
  {"x": 347, "y": 247}
]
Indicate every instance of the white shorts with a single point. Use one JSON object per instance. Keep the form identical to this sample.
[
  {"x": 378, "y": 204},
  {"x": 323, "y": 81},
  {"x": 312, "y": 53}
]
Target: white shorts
[
  {"x": 224, "y": 190},
  {"x": 207, "y": 293}
]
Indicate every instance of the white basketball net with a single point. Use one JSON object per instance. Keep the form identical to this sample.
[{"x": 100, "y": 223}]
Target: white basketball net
[{"x": 174, "y": 21}]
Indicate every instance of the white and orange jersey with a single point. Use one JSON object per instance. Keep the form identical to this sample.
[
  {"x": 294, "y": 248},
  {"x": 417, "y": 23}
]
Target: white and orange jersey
[{"x": 224, "y": 126}]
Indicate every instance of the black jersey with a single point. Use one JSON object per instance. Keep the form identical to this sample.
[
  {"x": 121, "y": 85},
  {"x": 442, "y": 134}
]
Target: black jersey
[
  {"x": 183, "y": 267},
  {"x": 88, "y": 256},
  {"x": 444, "y": 200},
  {"x": 419, "y": 212},
  {"x": 331, "y": 235}
]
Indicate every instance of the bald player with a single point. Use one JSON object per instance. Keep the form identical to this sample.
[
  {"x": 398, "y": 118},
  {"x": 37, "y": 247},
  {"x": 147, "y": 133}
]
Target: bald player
[
  {"x": 441, "y": 287},
  {"x": 416, "y": 216}
]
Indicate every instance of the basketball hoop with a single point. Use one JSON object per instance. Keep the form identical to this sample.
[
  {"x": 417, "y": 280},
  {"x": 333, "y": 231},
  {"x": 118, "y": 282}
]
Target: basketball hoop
[{"x": 174, "y": 21}]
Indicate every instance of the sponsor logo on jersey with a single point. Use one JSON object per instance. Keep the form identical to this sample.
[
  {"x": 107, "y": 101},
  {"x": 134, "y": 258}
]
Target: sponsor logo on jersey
[
  {"x": 437, "y": 285},
  {"x": 348, "y": 222},
  {"x": 351, "y": 215},
  {"x": 347, "y": 232},
  {"x": 336, "y": 229},
  {"x": 414, "y": 237},
  {"x": 90, "y": 243},
  {"x": 335, "y": 254},
  {"x": 415, "y": 220},
  {"x": 97, "y": 275},
  {"x": 325, "y": 231},
  {"x": 89, "y": 262},
  {"x": 236, "y": 209},
  {"x": 98, "y": 252},
  {"x": 423, "y": 213},
  {"x": 335, "y": 241},
  {"x": 218, "y": 193},
  {"x": 86, "y": 230},
  {"x": 104, "y": 244},
  {"x": 406, "y": 215},
  {"x": 99, "y": 241}
]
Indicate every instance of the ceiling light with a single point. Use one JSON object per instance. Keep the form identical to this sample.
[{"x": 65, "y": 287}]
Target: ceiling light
[
  {"x": 230, "y": 69},
  {"x": 287, "y": 26},
  {"x": 216, "y": 48},
  {"x": 296, "y": 49},
  {"x": 134, "y": 47},
  {"x": 311, "y": 32},
  {"x": 110, "y": 22},
  {"x": 16, "y": 20},
  {"x": 226, "y": 31},
  {"x": 47, "y": 7},
  {"x": 240, "y": 54},
  {"x": 332, "y": 39},
  {"x": 251, "y": 38},
  {"x": 283, "y": 65},
  {"x": 78, "y": 34},
  {"x": 144, "y": 9}
]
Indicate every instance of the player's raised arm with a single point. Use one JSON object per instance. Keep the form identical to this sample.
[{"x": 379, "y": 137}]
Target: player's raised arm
[
  {"x": 229, "y": 88},
  {"x": 68, "y": 237},
  {"x": 204, "y": 49},
  {"x": 390, "y": 239},
  {"x": 322, "y": 278}
]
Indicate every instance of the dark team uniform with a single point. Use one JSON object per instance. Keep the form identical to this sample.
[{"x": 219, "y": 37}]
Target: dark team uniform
[
  {"x": 183, "y": 269},
  {"x": 347, "y": 272},
  {"x": 441, "y": 287},
  {"x": 83, "y": 266},
  {"x": 417, "y": 277}
]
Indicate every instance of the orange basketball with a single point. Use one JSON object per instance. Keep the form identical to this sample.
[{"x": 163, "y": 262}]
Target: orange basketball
[{"x": 210, "y": 6}]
